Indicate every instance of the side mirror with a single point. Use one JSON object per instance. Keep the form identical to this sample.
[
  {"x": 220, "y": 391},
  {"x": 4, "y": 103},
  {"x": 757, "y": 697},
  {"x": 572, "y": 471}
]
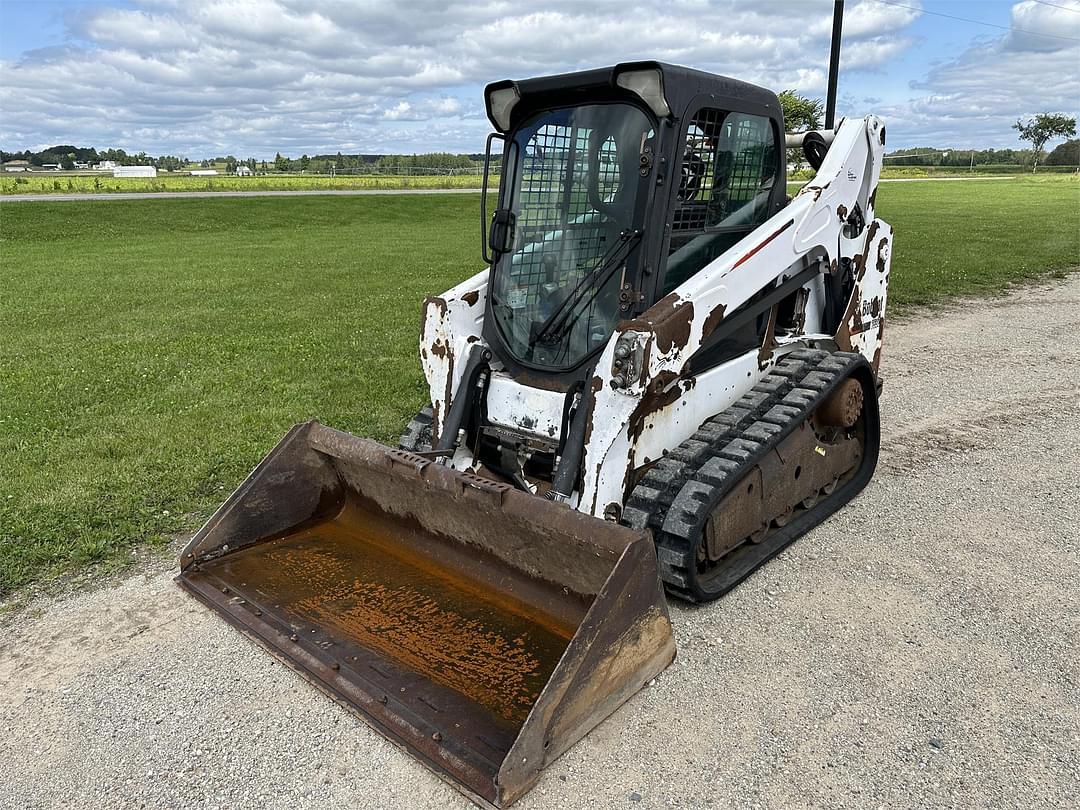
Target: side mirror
[{"x": 501, "y": 233}]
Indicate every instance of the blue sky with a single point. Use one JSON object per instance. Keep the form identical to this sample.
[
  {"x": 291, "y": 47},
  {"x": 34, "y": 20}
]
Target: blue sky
[{"x": 251, "y": 77}]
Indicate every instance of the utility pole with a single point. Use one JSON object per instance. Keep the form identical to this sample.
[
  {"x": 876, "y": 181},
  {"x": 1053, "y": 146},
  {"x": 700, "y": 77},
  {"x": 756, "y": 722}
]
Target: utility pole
[{"x": 834, "y": 62}]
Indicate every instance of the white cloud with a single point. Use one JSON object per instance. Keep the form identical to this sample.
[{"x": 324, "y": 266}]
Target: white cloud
[
  {"x": 1048, "y": 25},
  {"x": 256, "y": 76},
  {"x": 871, "y": 19},
  {"x": 875, "y": 52},
  {"x": 974, "y": 99}
]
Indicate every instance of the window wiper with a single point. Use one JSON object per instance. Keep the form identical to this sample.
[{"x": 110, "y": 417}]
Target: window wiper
[{"x": 553, "y": 327}]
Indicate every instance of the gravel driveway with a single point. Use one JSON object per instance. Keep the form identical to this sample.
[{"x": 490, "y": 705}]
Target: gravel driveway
[{"x": 917, "y": 650}]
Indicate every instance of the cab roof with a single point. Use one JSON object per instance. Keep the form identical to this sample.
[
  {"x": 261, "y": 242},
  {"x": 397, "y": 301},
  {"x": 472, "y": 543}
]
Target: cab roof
[{"x": 681, "y": 86}]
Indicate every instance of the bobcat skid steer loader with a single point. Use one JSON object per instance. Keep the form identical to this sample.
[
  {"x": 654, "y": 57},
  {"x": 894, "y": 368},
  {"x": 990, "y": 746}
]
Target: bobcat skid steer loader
[{"x": 665, "y": 374}]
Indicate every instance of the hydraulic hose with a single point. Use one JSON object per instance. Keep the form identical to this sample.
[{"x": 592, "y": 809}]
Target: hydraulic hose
[{"x": 566, "y": 475}]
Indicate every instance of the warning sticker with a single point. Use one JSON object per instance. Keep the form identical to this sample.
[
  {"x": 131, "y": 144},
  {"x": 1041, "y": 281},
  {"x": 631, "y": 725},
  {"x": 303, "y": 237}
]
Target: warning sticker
[{"x": 517, "y": 297}]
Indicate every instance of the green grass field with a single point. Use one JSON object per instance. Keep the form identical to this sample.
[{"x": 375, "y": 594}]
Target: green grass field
[
  {"x": 152, "y": 352},
  {"x": 49, "y": 183},
  {"x": 72, "y": 184}
]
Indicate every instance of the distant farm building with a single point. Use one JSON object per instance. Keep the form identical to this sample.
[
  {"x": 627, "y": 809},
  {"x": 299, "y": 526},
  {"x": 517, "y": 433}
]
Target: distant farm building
[
  {"x": 17, "y": 166},
  {"x": 243, "y": 171},
  {"x": 134, "y": 171},
  {"x": 106, "y": 166},
  {"x": 51, "y": 167},
  {"x": 203, "y": 172}
]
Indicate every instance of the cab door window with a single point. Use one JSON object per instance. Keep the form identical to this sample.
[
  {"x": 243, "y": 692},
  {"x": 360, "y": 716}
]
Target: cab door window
[{"x": 728, "y": 168}]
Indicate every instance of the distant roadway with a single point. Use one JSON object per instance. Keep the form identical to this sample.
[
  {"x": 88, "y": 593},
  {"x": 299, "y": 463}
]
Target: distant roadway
[
  {"x": 153, "y": 195},
  {"x": 172, "y": 195}
]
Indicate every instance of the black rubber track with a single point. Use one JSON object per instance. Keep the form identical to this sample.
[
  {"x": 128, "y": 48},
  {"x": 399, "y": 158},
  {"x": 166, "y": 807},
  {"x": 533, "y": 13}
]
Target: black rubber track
[{"x": 674, "y": 498}]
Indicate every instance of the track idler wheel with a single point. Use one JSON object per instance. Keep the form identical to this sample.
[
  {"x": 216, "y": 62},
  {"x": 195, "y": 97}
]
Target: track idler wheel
[{"x": 843, "y": 406}]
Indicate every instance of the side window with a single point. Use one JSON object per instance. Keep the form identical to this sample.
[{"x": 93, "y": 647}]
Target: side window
[{"x": 728, "y": 168}]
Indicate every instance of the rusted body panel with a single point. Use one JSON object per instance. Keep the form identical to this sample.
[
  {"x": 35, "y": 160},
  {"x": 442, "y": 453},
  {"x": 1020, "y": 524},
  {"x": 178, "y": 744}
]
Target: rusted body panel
[
  {"x": 862, "y": 328},
  {"x": 628, "y": 433},
  {"x": 484, "y": 629},
  {"x": 450, "y": 324},
  {"x": 668, "y": 334}
]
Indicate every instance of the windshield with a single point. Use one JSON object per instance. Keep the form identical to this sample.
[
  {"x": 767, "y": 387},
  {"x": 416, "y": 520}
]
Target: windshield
[{"x": 574, "y": 176}]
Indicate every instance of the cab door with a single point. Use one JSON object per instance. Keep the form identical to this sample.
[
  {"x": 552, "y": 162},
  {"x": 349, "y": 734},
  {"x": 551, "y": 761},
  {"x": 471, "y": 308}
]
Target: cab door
[{"x": 730, "y": 180}]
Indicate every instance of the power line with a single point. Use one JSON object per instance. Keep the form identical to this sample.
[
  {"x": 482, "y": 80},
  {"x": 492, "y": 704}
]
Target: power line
[
  {"x": 976, "y": 22},
  {"x": 1073, "y": 9}
]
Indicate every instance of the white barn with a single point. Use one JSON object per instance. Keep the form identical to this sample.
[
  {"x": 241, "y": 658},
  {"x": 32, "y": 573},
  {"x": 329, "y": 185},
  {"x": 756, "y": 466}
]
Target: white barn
[{"x": 134, "y": 171}]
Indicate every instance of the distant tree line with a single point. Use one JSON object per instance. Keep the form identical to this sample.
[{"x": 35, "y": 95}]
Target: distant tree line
[
  {"x": 933, "y": 156},
  {"x": 436, "y": 162},
  {"x": 1037, "y": 131},
  {"x": 803, "y": 114},
  {"x": 1066, "y": 154},
  {"x": 68, "y": 156}
]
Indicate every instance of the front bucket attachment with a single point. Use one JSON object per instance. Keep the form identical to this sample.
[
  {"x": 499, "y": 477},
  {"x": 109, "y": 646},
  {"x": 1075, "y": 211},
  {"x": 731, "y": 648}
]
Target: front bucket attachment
[{"x": 484, "y": 629}]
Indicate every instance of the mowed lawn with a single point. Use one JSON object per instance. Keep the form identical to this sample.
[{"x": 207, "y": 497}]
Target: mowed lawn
[
  {"x": 43, "y": 183},
  {"x": 151, "y": 352}
]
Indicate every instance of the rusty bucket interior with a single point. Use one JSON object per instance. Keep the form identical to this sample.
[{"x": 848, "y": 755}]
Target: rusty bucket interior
[{"x": 482, "y": 628}]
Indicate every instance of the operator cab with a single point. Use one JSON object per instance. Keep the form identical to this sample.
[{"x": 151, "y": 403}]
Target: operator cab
[{"x": 617, "y": 185}]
